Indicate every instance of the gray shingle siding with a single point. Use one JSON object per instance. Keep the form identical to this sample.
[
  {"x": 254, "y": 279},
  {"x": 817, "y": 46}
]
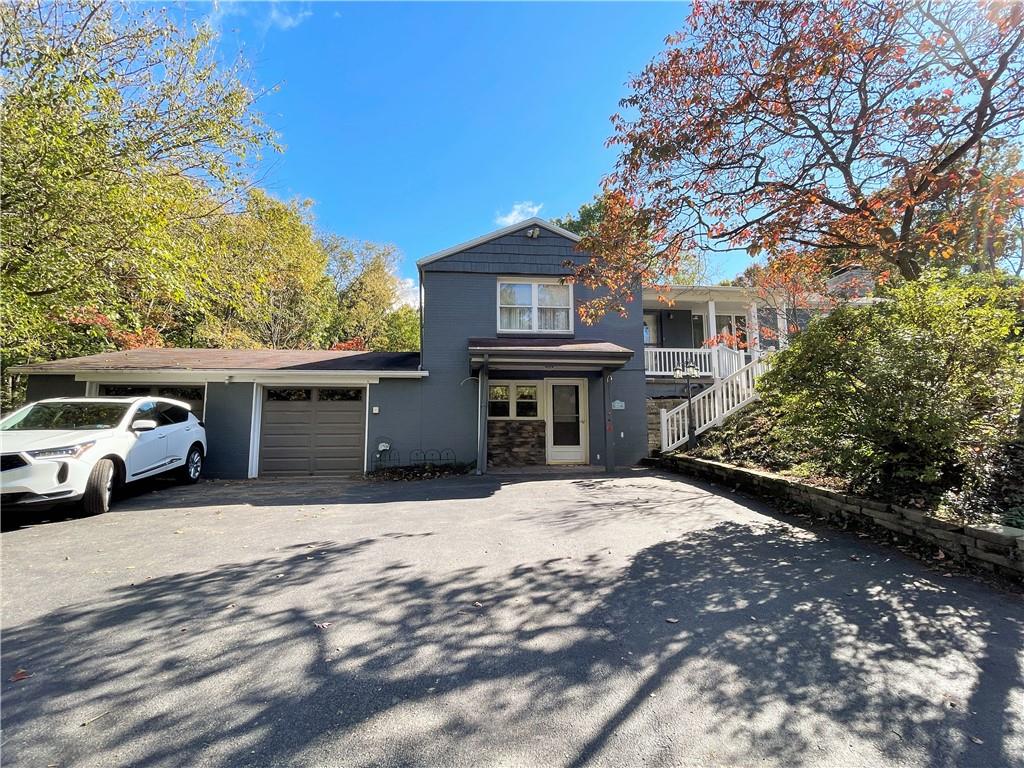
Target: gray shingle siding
[
  {"x": 513, "y": 254},
  {"x": 460, "y": 293}
]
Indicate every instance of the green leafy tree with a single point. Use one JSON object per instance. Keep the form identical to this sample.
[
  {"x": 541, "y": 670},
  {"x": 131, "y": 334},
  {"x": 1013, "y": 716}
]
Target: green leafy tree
[
  {"x": 367, "y": 286},
  {"x": 117, "y": 126},
  {"x": 586, "y": 223},
  {"x": 586, "y": 220},
  {"x": 403, "y": 330},
  {"x": 265, "y": 282},
  {"x": 905, "y": 396}
]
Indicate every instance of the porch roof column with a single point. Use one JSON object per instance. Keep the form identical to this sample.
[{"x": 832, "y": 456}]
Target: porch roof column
[
  {"x": 712, "y": 323},
  {"x": 609, "y": 426},
  {"x": 754, "y": 331},
  {"x": 782, "y": 320},
  {"x": 481, "y": 445}
]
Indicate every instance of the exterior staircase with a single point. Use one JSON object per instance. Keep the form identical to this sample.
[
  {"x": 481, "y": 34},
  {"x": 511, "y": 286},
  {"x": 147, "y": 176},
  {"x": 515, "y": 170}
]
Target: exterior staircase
[{"x": 711, "y": 406}]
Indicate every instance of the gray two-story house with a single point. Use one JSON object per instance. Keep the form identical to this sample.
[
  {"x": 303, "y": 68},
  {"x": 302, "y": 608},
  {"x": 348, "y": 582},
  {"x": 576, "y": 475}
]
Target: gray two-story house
[{"x": 507, "y": 376}]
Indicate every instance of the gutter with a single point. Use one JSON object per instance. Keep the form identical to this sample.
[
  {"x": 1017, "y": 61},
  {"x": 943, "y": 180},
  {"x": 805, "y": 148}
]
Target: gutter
[{"x": 158, "y": 375}]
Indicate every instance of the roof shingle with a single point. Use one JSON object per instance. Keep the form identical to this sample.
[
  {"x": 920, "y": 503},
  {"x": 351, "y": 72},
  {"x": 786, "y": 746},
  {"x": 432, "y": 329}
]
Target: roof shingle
[{"x": 185, "y": 359}]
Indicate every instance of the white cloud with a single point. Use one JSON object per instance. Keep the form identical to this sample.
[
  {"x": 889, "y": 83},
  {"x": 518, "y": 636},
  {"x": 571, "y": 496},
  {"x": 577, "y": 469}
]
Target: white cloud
[
  {"x": 222, "y": 9},
  {"x": 520, "y": 212},
  {"x": 285, "y": 16},
  {"x": 408, "y": 292},
  {"x": 275, "y": 14}
]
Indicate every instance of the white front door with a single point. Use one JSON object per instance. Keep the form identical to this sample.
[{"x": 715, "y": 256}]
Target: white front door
[{"x": 566, "y": 418}]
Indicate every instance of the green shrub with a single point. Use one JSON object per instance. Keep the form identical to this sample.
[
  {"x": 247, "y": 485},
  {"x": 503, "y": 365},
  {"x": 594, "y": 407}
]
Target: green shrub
[
  {"x": 996, "y": 493},
  {"x": 909, "y": 395}
]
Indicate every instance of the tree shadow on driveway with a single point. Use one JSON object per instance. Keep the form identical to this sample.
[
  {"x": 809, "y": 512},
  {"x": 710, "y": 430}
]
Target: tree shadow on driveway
[{"x": 783, "y": 650}]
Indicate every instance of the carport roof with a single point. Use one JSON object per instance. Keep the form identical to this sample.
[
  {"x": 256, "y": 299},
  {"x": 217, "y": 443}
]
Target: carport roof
[{"x": 221, "y": 360}]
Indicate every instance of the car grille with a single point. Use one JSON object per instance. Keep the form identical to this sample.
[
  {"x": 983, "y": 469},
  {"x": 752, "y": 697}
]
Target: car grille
[{"x": 11, "y": 461}]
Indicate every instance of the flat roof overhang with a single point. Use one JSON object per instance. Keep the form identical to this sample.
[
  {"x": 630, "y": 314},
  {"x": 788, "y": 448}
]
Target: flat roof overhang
[{"x": 547, "y": 354}]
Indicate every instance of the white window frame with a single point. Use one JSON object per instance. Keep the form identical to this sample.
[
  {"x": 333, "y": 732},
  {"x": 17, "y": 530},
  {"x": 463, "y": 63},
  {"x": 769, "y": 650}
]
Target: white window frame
[
  {"x": 533, "y": 282},
  {"x": 733, "y": 316},
  {"x": 512, "y": 399}
]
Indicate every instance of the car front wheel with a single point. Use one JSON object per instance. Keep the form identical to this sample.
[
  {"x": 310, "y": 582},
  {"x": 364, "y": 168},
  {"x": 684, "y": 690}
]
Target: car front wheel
[
  {"x": 99, "y": 488},
  {"x": 193, "y": 465}
]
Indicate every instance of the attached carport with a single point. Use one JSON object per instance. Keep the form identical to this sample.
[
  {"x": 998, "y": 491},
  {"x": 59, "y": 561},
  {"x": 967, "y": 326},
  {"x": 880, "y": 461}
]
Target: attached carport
[{"x": 267, "y": 412}]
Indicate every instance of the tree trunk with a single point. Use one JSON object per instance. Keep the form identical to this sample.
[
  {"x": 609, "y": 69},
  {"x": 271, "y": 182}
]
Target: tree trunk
[{"x": 908, "y": 266}]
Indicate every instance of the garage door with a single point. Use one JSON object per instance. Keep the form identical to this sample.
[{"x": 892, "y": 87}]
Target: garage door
[{"x": 312, "y": 431}]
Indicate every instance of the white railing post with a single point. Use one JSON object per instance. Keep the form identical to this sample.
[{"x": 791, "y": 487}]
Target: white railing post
[{"x": 664, "y": 430}]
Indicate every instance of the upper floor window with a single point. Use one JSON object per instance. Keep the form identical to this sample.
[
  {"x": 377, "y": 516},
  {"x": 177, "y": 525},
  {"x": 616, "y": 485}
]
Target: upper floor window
[{"x": 534, "y": 306}]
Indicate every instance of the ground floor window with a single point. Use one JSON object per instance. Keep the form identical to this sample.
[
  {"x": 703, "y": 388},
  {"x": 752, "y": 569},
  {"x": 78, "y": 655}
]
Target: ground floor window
[
  {"x": 193, "y": 394},
  {"x": 513, "y": 400}
]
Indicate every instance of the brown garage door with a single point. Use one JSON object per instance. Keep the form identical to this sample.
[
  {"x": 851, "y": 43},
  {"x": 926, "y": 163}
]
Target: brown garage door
[{"x": 312, "y": 431}]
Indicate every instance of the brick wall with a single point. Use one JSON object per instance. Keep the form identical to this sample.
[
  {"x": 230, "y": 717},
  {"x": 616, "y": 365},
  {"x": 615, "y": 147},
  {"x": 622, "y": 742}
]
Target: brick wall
[
  {"x": 515, "y": 443},
  {"x": 996, "y": 548}
]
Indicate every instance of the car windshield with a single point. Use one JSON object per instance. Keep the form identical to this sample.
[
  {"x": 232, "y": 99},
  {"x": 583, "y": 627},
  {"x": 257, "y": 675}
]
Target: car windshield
[{"x": 67, "y": 416}]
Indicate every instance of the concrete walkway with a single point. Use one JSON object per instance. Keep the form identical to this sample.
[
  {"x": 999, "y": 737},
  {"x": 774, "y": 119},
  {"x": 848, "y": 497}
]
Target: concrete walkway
[{"x": 626, "y": 620}]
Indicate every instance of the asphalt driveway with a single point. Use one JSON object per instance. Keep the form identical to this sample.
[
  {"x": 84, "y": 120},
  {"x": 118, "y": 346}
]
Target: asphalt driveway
[{"x": 634, "y": 620}]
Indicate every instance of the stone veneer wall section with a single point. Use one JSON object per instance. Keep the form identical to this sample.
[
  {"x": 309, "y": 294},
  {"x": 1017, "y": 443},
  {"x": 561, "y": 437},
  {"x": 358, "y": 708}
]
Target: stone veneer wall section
[
  {"x": 996, "y": 548},
  {"x": 515, "y": 443},
  {"x": 654, "y": 406}
]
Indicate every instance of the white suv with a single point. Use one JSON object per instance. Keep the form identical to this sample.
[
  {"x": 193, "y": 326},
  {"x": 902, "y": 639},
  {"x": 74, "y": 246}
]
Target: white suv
[{"x": 69, "y": 449}]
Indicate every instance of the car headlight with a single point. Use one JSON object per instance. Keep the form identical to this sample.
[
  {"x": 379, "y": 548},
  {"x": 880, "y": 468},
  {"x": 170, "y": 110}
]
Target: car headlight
[{"x": 65, "y": 452}]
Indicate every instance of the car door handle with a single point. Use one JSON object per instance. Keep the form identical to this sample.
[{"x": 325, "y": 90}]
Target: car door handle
[{"x": 161, "y": 437}]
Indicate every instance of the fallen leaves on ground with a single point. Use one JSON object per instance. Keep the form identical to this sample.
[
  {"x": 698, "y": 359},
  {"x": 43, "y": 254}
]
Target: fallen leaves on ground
[{"x": 20, "y": 674}]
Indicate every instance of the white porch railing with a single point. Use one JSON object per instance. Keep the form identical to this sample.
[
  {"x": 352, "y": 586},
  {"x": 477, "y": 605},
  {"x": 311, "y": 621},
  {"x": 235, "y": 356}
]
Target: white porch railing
[
  {"x": 717, "y": 361},
  {"x": 713, "y": 405}
]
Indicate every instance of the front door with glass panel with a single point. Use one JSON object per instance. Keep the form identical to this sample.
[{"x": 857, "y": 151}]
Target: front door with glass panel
[{"x": 566, "y": 421}]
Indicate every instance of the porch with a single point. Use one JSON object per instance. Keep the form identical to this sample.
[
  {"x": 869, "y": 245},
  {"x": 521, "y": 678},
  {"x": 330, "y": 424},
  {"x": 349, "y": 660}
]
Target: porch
[
  {"x": 713, "y": 362},
  {"x": 717, "y": 329}
]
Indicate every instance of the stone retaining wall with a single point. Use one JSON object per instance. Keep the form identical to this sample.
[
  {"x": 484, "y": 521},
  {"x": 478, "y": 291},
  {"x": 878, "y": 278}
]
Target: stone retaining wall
[
  {"x": 654, "y": 406},
  {"x": 996, "y": 548}
]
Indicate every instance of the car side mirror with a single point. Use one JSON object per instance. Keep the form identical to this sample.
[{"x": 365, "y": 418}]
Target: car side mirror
[{"x": 143, "y": 425}]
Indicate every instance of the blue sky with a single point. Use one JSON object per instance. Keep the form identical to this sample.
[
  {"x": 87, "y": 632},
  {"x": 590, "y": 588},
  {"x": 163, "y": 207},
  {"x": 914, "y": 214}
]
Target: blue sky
[{"x": 425, "y": 124}]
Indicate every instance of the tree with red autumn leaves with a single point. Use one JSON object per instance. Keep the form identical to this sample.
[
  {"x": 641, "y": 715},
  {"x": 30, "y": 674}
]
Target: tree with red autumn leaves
[{"x": 827, "y": 127}]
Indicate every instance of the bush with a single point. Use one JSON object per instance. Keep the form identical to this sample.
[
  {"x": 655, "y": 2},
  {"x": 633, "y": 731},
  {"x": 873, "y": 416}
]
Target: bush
[
  {"x": 909, "y": 395},
  {"x": 996, "y": 493}
]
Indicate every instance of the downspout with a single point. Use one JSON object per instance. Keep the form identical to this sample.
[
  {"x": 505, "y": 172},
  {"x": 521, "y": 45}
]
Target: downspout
[
  {"x": 419, "y": 271},
  {"x": 609, "y": 425}
]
